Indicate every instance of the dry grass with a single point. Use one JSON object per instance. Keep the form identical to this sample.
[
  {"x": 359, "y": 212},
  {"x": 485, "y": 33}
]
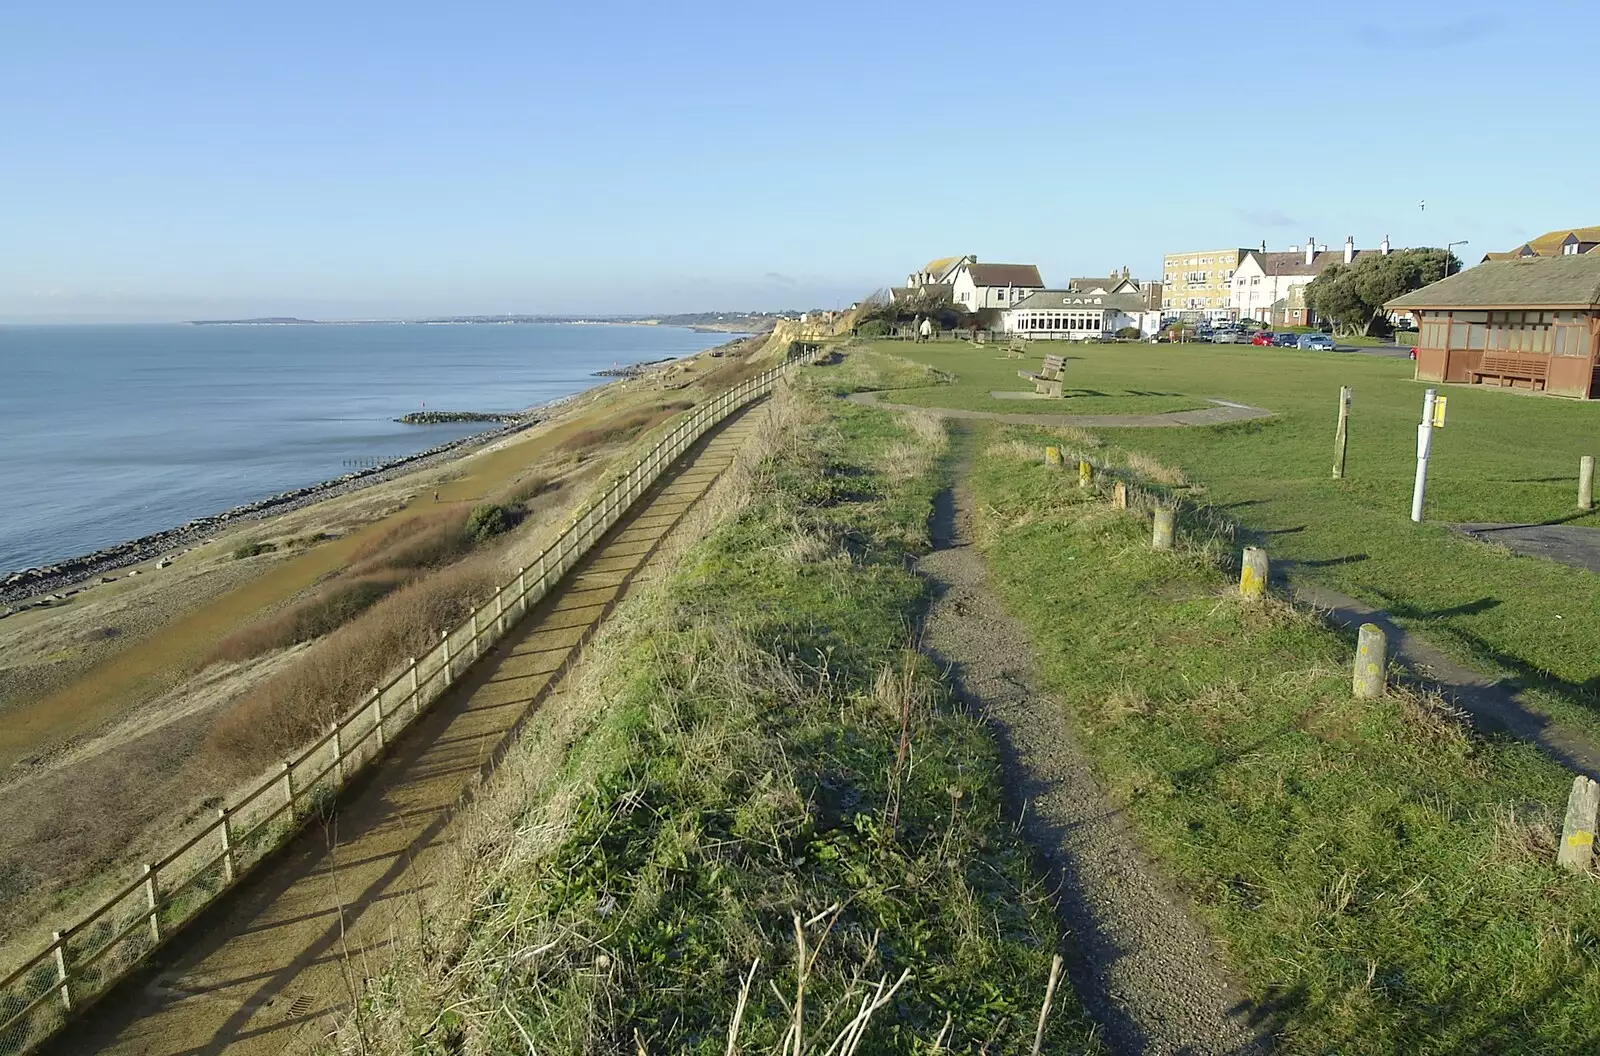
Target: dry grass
[
  {"x": 624, "y": 427},
  {"x": 339, "y": 603},
  {"x": 298, "y": 703}
]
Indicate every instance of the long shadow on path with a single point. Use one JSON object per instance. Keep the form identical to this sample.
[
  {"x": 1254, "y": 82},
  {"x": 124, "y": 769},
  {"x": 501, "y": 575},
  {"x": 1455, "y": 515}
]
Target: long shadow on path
[{"x": 268, "y": 968}]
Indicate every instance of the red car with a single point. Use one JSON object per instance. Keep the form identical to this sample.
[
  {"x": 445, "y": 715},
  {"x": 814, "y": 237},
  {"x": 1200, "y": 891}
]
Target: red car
[{"x": 1262, "y": 338}]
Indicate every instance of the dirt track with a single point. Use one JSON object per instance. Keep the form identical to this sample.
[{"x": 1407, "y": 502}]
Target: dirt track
[
  {"x": 1143, "y": 968},
  {"x": 267, "y": 970}
]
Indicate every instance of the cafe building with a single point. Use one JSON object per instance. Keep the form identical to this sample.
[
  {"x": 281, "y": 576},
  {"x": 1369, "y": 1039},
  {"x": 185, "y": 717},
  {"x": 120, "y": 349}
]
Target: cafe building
[{"x": 1531, "y": 323}]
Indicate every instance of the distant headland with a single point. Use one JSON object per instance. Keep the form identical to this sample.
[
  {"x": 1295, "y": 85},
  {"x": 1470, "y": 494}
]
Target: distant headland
[{"x": 711, "y": 322}]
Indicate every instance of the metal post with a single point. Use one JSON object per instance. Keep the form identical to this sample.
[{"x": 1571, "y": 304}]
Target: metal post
[
  {"x": 1424, "y": 448},
  {"x": 58, "y": 949},
  {"x": 229, "y": 867},
  {"x": 1341, "y": 436},
  {"x": 152, "y": 901}
]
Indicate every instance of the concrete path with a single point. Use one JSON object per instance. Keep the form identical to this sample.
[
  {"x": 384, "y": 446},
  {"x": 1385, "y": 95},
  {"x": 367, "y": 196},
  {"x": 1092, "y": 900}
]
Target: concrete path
[
  {"x": 1494, "y": 704},
  {"x": 272, "y": 967},
  {"x": 1570, "y": 544},
  {"x": 1222, "y": 412}
]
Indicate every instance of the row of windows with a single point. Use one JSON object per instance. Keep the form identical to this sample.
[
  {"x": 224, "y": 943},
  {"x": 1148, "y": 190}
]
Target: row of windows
[
  {"x": 1080, "y": 321},
  {"x": 1541, "y": 339},
  {"x": 1542, "y": 318}
]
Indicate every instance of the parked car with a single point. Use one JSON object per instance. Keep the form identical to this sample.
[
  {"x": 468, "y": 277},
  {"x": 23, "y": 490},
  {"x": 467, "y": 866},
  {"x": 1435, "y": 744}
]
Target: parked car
[
  {"x": 1228, "y": 337},
  {"x": 1316, "y": 342},
  {"x": 1262, "y": 339},
  {"x": 1286, "y": 340}
]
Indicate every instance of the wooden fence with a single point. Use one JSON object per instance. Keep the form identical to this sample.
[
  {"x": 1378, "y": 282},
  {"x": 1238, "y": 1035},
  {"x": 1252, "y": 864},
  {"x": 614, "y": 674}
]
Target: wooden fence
[{"x": 83, "y": 961}]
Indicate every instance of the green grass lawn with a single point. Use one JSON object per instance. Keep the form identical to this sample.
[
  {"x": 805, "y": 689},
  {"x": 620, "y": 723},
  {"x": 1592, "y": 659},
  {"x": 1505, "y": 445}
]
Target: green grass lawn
[
  {"x": 965, "y": 374},
  {"x": 1503, "y": 456},
  {"x": 1380, "y": 881}
]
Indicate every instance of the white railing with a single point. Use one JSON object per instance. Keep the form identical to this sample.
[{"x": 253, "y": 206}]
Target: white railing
[{"x": 86, "y": 959}]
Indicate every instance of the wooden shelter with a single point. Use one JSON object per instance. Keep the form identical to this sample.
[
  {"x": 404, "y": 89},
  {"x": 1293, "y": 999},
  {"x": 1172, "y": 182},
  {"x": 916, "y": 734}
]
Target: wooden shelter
[{"x": 1529, "y": 323}]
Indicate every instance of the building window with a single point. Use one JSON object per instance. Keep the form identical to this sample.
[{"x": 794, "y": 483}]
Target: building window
[{"x": 1255, "y": 280}]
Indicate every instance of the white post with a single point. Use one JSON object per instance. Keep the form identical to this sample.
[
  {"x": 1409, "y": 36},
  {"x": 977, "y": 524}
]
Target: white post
[
  {"x": 226, "y": 828},
  {"x": 522, "y": 591},
  {"x": 338, "y": 756},
  {"x": 500, "y": 611},
  {"x": 476, "y": 652},
  {"x": 59, "y": 950},
  {"x": 152, "y": 901},
  {"x": 1424, "y": 447},
  {"x": 416, "y": 699},
  {"x": 444, "y": 643},
  {"x": 377, "y": 721}
]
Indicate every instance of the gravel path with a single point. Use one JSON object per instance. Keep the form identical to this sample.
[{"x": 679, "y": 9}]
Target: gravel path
[
  {"x": 1217, "y": 415},
  {"x": 1144, "y": 970}
]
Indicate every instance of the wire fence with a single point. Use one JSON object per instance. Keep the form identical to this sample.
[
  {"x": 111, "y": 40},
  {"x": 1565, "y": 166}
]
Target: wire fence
[{"x": 83, "y": 961}]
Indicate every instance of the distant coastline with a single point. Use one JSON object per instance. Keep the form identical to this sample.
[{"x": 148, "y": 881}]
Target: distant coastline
[{"x": 701, "y": 322}]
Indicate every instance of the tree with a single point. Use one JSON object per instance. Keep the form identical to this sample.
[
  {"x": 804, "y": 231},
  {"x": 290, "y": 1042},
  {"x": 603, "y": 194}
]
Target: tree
[{"x": 1352, "y": 296}]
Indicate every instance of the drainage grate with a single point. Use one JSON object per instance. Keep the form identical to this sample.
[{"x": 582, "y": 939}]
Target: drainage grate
[{"x": 301, "y": 1006}]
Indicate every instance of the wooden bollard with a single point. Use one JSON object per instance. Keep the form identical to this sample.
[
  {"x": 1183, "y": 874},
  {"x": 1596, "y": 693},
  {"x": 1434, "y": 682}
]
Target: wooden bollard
[
  {"x": 1119, "y": 495},
  {"x": 1372, "y": 662},
  {"x": 1577, "y": 835},
  {"x": 1253, "y": 573},
  {"x": 1085, "y": 473},
  {"x": 1586, "y": 482},
  {"x": 1161, "y": 538},
  {"x": 1052, "y": 457}
]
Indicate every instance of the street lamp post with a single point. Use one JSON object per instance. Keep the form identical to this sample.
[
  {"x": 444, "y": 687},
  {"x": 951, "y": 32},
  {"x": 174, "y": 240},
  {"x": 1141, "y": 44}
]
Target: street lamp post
[{"x": 1447, "y": 248}]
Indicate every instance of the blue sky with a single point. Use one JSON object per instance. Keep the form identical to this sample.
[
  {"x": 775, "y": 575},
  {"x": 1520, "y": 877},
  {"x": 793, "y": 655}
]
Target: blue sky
[{"x": 344, "y": 160}]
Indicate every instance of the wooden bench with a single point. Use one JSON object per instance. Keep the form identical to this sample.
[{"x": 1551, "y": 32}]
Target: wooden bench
[
  {"x": 1509, "y": 368},
  {"x": 1014, "y": 349},
  {"x": 1047, "y": 382}
]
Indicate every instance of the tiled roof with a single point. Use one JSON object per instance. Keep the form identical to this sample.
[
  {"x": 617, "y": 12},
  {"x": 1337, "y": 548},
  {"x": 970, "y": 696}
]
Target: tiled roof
[
  {"x": 1554, "y": 282},
  {"x": 1026, "y": 275},
  {"x": 1294, "y": 263}
]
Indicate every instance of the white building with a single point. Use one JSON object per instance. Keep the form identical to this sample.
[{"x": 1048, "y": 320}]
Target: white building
[
  {"x": 1066, "y": 315},
  {"x": 941, "y": 272},
  {"x": 978, "y": 286},
  {"x": 1263, "y": 280}
]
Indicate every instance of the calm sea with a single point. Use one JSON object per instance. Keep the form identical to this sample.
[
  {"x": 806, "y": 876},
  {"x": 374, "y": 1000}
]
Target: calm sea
[{"x": 112, "y": 432}]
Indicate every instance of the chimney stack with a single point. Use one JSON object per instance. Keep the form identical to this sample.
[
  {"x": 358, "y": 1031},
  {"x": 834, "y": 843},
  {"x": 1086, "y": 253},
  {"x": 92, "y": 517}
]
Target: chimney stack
[
  {"x": 1383, "y": 247},
  {"x": 1311, "y": 250},
  {"x": 1349, "y": 248}
]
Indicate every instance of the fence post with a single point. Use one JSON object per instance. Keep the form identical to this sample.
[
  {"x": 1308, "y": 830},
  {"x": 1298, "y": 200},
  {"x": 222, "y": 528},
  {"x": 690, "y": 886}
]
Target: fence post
[
  {"x": 288, "y": 785},
  {"x": 377, "y": 708},
  {"x": 416, "y": 702},
  {"x": 338, "y": 756},
  {"x": 1052, "y": 457},
  {"x": 1372, "y": 662},
  {"x": 229, "y": 866},
  {"x": 500, "y": 611},
  {"x": 1119, "y": 495},
  {"x": 1341, "y": 435},
  {"x": 152, "y": 901},
  {"x": 1577, "y": 835},
  {"x": 1085, "y": 473},
  {"x": 476, "y": 651},
  {"x": 1586, "y": 482},
  {"x": 541, "y": 571},
  {"x": 1161, "y": 538},
  {"x": 522, "y": 591},
  {"x": 1253, "y": 573},
  {"x": 58, "y": 949},
  {"x": 444, "y": 641}
]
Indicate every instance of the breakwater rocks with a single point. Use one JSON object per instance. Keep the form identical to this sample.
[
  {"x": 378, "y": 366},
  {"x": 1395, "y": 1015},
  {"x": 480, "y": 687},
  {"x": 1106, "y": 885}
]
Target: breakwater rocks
[
  {"x": 441, "y": 417},
  {"x": 52, "y": 579}
]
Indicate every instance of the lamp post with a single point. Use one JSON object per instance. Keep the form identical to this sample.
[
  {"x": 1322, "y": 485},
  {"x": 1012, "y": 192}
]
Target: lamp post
[{"x": 1447, "y": 247}]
